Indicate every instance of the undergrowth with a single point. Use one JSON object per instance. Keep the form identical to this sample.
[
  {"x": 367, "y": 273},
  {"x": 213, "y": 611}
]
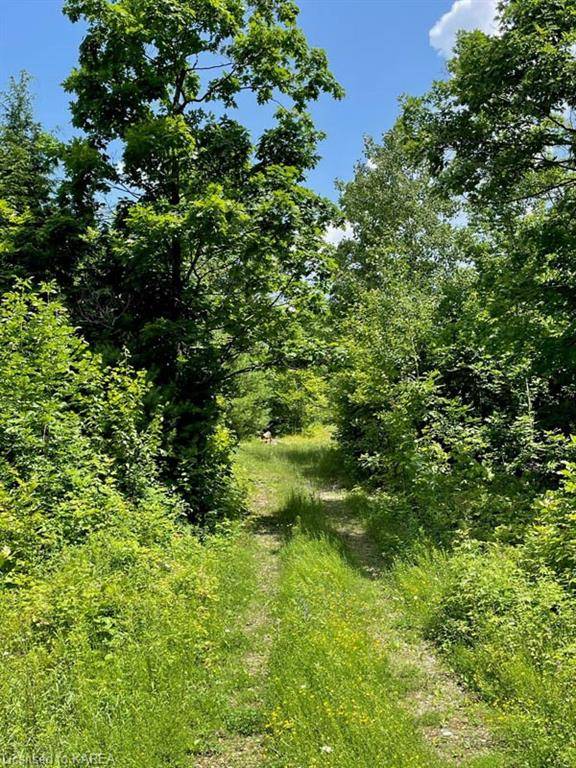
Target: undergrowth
[
  {"x": 121, "y": 632},
  {"x": 510, "y": 636},
  {"x": 127, "y": 652}
]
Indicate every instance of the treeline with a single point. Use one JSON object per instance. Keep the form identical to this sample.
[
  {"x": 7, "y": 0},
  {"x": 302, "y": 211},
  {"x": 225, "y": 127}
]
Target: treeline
[{"x": 454, "y": 311}]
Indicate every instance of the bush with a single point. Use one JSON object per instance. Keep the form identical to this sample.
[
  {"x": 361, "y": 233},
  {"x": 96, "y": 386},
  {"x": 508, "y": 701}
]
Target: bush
[
  {"x": 125, "y": 650},
  {"x": 120, "y": 630},
  {"x": 76, "y": 453},
  {"x": 248, "y": 413},
  {"x": 287, "y": 401},
  {"x": 298, "y": 400},
  {"x": 552, "y": 539}
]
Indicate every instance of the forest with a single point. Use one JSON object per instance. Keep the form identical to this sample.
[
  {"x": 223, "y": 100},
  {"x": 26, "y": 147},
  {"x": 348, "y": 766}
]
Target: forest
[{"x": 271, "y": 500}]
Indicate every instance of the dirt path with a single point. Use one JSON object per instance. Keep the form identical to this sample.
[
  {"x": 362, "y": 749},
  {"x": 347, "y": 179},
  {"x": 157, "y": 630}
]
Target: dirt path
[
  {"x": 451, "y": 720},
  {"x": 247, "y": 750}
]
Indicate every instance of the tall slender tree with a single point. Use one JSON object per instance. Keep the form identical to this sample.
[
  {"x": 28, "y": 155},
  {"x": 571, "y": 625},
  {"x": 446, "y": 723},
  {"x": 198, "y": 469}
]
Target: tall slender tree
[{"x": 28, "y": 157}]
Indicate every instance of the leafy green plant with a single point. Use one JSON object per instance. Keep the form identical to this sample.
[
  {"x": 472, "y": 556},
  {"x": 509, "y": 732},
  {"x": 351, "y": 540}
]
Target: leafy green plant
[
  {"x": 125, "y": 650},
  {"x": 76, "y": 453},
  {"x": 214, "y": 253},
  {"x": 551, "y": 541}
]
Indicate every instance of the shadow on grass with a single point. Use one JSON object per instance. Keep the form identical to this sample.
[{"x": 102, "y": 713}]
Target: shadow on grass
[
  {"x": 267, "y": 525},
  {"x": 329, "y": 508},
  {"x": 332, "y": 519},
  {"x": 321, "y": 464}
]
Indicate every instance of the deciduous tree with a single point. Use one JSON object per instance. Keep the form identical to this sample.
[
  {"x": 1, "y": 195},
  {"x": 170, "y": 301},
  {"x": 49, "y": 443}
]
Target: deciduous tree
[{"x": 216, "y": 242}]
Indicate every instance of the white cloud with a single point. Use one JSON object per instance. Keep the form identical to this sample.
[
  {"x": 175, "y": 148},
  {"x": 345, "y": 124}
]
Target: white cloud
[
  {"x": 335, "y": 235},
  {"x": 464, "y": 14}
]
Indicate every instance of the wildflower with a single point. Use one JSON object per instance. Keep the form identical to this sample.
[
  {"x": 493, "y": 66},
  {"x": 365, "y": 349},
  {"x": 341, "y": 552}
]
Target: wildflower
[{"x": 326, "y": 749}]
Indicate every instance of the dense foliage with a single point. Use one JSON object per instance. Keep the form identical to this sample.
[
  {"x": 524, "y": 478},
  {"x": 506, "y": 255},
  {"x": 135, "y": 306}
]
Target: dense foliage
[
  {"x": 77, "y": 455},
  {"x": 454, "y": 375},
  {"x": 111, "y": 610},
  {"x": 284, "y": 401},
  {"x": 455, "y": 345},
  {"x": 214, "y": 240},
  {"x": 166, "y": 289},
  {"x": 170, "y": 231},
  {"x": 145, "y": 266}
]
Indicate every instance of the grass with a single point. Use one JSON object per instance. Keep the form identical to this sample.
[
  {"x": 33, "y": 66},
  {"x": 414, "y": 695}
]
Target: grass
[
  {"x": 510, "y": 637},
  {"x": 336, "y": 694},
  {"x": 136, "y": 654},
  {"x": 295, "y": 464},
  {"x": 184, "y": 653},
  {"x": 333, "y": 698},
  {"x": 134, "y": 659}
]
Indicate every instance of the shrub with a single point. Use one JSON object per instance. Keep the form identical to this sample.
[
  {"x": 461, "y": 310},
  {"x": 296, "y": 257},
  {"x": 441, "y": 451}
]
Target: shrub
[
  {"x": 552, "y": 539},
  {"x": 288, "y": 401},
  {"x": 76, "y": 454},
  {"x": 123, "y": 635},
  {"x": 248, "y": 413}
]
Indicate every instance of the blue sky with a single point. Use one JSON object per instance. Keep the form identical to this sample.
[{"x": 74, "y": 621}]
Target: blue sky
[{"x": 378, "y": 49}]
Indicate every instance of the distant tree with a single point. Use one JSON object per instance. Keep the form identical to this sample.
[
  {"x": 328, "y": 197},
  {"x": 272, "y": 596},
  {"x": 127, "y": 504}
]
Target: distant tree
[
  {"x": 28, "y": 157},
  {"x": 397, "y": 215},
  {"x": 216, "y": 244},
  {"x": 26, "y": 160}
]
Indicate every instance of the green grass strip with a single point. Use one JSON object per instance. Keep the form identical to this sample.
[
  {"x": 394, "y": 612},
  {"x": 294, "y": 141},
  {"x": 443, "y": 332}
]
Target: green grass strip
[{"x": 333, "y": 700}]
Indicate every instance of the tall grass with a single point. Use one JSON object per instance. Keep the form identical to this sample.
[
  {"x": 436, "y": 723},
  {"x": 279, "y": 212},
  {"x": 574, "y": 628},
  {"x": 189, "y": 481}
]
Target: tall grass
[
  {"x": 510, "y": 636},
  {"x": 125, "y": 655}
]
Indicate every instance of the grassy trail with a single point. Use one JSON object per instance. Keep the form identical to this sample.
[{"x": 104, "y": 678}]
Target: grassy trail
[{"x": 337, "y": 679}]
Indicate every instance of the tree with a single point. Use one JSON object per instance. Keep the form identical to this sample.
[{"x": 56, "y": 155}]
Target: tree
[
  {"x": 399, "y": 220},
  {"x": 501, "y": 132},
  {"x": 215, "y": 241},
  {"x": 438, "y": 395},
  {"x": 28, "y": 157},
  {"x": 386, "y": 296},
  {"x": 501, "y": 128}
]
